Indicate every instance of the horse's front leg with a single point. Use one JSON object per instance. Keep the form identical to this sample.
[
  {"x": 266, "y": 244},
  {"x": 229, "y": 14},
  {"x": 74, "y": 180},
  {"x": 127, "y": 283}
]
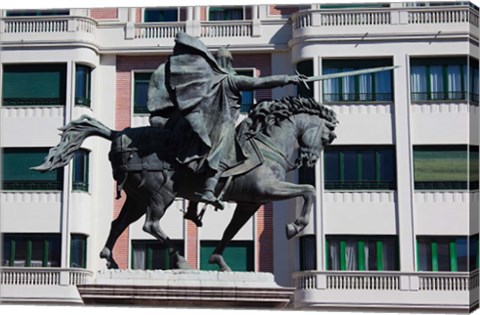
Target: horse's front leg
[{"x": 284, "y": 190}]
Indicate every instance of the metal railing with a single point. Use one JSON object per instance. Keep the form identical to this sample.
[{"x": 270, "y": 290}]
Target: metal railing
[
  {"x": 357, "y": 97},
  {"x": 359, "y": 185},
  {"x": 32, "y": 185},
  {"x": 439, "y": 96},
  {"x": 441, "y": 185}
]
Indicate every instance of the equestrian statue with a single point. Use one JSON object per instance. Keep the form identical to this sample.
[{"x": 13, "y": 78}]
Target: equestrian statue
[{"x": 194, "y": 150}]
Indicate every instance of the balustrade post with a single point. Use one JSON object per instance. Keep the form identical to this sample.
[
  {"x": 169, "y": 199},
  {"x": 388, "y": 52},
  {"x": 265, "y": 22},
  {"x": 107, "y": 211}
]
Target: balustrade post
[
  {"x": 316, "y": 19},
  {"x": 2, "y": 26},
  {"x": 64, "y": 278},
  {"x": 256, "y": 22}
]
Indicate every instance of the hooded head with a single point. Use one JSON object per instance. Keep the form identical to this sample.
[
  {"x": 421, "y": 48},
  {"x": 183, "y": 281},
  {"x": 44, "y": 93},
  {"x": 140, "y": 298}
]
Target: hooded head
[{"x": 224, "y": 59}]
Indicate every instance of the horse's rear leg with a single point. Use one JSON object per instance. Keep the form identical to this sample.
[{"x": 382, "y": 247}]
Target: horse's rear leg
[
  {"x": 156, "y": 208},
  {"x": 131, "y": 211},
  {"x": 243, "y": 212}
]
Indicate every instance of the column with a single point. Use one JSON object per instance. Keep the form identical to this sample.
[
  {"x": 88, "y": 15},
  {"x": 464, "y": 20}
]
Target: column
[{"x": 404, "y": 157}]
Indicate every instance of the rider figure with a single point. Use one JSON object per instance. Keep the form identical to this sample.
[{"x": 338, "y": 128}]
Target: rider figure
[{"x": 204, "y": 92}]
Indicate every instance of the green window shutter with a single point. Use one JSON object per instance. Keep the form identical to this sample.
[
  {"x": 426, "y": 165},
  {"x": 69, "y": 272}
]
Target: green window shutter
[
  {"x": 34, "y": 84},
  {"x": 238, "y": 255},
  {"x": 453, "y": 256},
  {"x": 380, "y": 255},
  {"x": 440, "y": 167},
  {"x": 18, "y": 176},
  {"x": 434, "y": 256},
  {"x": 343, "y": 258}
]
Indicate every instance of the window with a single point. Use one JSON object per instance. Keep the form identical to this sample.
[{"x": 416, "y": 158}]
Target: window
[
  {"x": 305, "y": 67},
  {"x": 375, "y": 253},
  {"x": 369, "y": 87},
  {"x": 440, "y": 167},
  {"x": 225, "y": 13},
  {"x": 140, "y": 93},
  {"x": 473, "y": 252},
  {"x": 82, "y": 85},
  {"x": 308, "y": 252},
  {"x": 78, "y": 251},
  {"x": 306, "y": 175},
  {"x": 31, "y": 250},
  {"x": 474, "y": 83},
  {"x": 247, "y": 97},
  {"x": 438, "y": 79},
  {"x": 238, "y": 255},
  {"x": 18, "y": 176},
  {"x": 151, "y": 255},
  {"x": 161, "y": 15},
  {"x": 80, "y": 170},
  {"x": 442, "y": 253},
  {"x": 473, "y": 167},
  {"x": 37, "y": 12},
  {"x": 34, "y": 84},
  {"x": 368, "y": 167}
]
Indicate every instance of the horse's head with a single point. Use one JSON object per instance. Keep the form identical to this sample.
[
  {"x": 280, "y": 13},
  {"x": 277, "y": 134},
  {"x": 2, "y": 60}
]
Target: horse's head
[
  {"x": 313, "y": 124},
  {"x": 317, "y": 133}
]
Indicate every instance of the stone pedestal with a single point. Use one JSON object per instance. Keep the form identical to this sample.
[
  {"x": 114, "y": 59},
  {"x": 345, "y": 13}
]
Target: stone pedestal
[{"x": 186, "y": 288}]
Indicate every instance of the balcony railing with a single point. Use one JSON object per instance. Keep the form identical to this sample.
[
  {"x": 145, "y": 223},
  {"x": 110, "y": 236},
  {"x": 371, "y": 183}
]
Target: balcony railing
[
  {"x": 47, "y": 24},
  {"x": 155, "y": 30},
  {"x": 360, "y": 185},
  {"x": 382, "y": 16},
  {"x": 444, "y": 185},
  {"x": 32, "y": 185},
  {"x": 439, "y": 96},
  {"x": 226, "y": 29},
  {"x": 43, "y": 276},
  {"x": 385, "y": 280}
]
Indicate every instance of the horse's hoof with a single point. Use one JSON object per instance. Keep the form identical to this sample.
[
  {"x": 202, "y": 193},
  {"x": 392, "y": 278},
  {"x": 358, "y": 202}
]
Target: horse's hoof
[
  {"x": 291, "y": 230},
  {"x": 182, "y": 263},
  {"x": 220, "y": 262}
]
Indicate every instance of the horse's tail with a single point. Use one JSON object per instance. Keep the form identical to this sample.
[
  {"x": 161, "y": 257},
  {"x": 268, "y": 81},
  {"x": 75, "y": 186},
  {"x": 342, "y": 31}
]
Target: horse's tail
[{"x": 72, "y": 137}]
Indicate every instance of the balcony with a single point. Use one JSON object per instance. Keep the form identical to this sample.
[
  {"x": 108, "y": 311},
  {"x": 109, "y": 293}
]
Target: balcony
[
  {"x": 387, "y": 290},
  {"x": 56, "y": 285},
  {"x": 384, "y": 21},
  {"x": 48, "y": 29}
]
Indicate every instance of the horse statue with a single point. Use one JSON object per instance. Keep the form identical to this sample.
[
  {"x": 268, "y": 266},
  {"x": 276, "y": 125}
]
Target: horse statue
[{"x": 151, "y": 178}]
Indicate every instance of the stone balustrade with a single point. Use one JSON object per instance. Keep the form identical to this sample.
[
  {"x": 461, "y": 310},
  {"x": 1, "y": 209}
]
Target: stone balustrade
[{"x": 13, "y": 276}]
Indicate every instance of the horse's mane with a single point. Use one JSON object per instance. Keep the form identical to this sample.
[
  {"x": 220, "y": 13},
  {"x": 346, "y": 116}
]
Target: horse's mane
[{"x": 267, "y": 114}]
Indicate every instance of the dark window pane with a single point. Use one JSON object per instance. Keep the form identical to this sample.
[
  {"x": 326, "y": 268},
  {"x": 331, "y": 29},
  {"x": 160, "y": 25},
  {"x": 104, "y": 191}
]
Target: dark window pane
[
  {"x": 79, "y": 251},
  {"x": 368, "y": 165},
  {"x": 20, "y": 259},
  {"x": 139, "y": 260},
  {"x": 350, "y": 165},
  {"x": 390, "y": 254},
  {"x": 54, "y": 252},
  {"x": 387, "y": 165},
  {"x": 443, "y": 253},
  {"x": 141, "y": 92},
  {"x": 371, "y": 255},
  {"x": 305, "y": 67},
  {"x": 161, "y": 15},
  {"x": 6, "y": 251},
  {"x": 332, "y": 166},
  {"x": 225, "y": 14},
  {"x": 425, "y": 255},
  {"x": 80, "y": 170},
  {"x": 160, "y": 258},
  {"x": 82, "y": 85},
  {"x": 238, "y": 254},
  {"x": 473, "y": 252},
  {"x": 38, "y": 247},
  {"x": 461, "y": 254},
  {"x": 308, "y": 252}
]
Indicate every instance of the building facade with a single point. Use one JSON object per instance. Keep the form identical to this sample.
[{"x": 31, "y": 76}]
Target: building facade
[{"x": 395, "y": 223}]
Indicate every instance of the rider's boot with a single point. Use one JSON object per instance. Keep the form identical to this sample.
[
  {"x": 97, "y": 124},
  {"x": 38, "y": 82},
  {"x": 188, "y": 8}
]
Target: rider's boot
[
  {"x": 208, "y": 195},
  {"x": 192, "y": 214}
]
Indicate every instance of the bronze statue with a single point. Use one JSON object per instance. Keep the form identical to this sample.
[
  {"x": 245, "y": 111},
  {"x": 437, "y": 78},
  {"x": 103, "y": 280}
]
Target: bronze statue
[{"x": 192, "y": 146}]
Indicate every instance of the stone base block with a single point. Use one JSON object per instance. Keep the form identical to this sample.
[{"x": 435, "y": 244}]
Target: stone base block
[{"x": 186, "y": 288}]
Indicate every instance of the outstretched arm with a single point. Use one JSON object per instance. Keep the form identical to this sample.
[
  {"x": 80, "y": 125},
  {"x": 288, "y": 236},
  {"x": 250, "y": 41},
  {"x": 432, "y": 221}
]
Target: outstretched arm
[{"x": 244, "y": 83}]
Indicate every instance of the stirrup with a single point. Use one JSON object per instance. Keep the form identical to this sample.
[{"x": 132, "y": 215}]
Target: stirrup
[{"x": 209, "y": 197}]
